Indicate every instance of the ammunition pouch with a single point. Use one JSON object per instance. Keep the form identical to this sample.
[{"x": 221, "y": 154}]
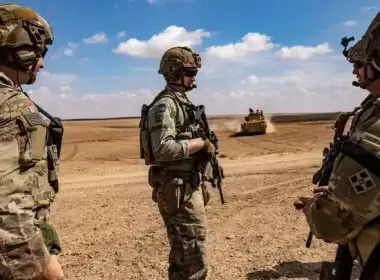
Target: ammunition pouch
[
  {"x": 51, "y": 238},
  {"x": 54, "y": 144},
  {"x": 155, "y": 176},
  {"x": 158, "y": 176}
]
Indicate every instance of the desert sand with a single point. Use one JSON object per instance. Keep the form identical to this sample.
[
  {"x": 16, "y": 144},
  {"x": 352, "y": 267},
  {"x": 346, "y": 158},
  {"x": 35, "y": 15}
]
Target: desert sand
[{"x": 110, "y": 228}]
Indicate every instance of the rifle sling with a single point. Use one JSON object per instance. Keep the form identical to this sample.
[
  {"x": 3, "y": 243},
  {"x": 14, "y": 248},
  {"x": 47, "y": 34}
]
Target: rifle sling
[{"x": 360, "y": 155}]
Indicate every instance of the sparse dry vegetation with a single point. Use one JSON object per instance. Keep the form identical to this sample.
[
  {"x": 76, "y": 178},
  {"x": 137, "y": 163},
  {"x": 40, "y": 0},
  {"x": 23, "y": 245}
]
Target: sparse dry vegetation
[{"x": 110, "y": 228}]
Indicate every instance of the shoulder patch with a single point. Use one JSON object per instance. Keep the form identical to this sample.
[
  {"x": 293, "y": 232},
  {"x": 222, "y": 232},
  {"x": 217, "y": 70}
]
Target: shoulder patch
[
  {"x": 160, "y": 108},
  {"x": 361, "y": 182}
]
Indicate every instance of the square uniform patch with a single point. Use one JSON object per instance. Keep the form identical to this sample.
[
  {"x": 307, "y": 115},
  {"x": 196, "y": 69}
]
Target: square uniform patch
[{"x": 362, "y": 182}]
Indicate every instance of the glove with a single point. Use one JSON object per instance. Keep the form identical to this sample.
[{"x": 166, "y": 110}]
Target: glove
[
  {"x": 206, "y": 194},
  {"x": 209, "y": 149}
]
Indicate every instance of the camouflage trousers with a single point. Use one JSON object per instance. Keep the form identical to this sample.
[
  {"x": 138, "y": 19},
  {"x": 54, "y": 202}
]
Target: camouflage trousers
[
  {"x": 31, "y": 266},
  {"x": 182, "y": 207}
]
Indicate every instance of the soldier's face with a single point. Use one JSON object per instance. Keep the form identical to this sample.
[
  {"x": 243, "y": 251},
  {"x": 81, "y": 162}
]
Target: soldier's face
[
  {"x": 189, "y": 76},
  {"x": 40, "y": 65},
  {"x": 363, "y": 73},
  {"x": 23, "y": 77}
]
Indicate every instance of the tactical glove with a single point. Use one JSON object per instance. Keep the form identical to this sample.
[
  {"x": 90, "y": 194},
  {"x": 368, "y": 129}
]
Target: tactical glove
[
  {"x": 209, "y": 149},
  {"x": 206, "y": 195}
]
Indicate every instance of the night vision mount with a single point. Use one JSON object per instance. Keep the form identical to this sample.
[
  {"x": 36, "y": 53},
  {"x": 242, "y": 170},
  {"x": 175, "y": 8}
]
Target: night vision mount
[{"x": 345, "y": 41}]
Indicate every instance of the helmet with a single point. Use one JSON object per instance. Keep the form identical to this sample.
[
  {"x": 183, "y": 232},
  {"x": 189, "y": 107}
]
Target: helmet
[
  {"x": 371, "y": 42},
  {"x": 356, "y": 53},
  {"x": 366, "y": 52},
  {"x": 176, "y": 61},
  {"x": 24, "y": 36}
]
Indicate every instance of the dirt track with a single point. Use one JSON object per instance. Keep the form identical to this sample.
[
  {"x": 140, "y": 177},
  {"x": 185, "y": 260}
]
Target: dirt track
[{"x": 110, "y": 228}]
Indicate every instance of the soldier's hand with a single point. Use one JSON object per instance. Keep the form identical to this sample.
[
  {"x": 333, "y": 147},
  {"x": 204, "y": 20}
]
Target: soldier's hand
[
  {"x": 208, "y": 148},
  {"x": 321, "y": 189},
  {"x": 53, "y": 270}
]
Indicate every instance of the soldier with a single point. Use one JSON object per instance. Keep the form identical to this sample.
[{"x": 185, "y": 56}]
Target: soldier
[
  {"x": 25, "y": 194},
  {"x": 172, "y": 152},
  {"x": 347, "y": 210}
]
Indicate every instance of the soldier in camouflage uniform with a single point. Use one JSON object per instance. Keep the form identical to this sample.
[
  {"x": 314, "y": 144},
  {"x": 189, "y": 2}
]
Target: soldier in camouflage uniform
[
  {"x": 29, "y": 245},
  {"x": 168, "y": 147},
  {"x": 347, "y": 210}
]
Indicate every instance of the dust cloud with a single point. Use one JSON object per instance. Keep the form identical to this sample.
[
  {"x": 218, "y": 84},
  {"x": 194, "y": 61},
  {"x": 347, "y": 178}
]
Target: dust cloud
[
  {"x": 271, "y": 128},
  {"x": 235, "y": 126}
]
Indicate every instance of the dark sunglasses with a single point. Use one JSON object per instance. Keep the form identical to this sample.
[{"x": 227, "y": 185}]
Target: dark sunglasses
[{"x": 190, "y": 73}]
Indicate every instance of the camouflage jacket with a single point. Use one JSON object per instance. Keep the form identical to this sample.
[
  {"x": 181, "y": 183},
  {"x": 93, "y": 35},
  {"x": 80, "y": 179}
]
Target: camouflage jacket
[
  {"x": 23, "y": 152},
  {"x": 168, "y": 127}
]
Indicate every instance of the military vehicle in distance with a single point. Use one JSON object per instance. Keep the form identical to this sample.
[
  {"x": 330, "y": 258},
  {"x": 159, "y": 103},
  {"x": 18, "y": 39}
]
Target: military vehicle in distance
[{"x": 254, "y": 123}]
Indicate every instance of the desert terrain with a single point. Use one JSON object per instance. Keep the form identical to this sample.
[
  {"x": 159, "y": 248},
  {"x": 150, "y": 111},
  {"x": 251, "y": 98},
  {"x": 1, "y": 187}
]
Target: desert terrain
[{"x": 110, "y": 228}]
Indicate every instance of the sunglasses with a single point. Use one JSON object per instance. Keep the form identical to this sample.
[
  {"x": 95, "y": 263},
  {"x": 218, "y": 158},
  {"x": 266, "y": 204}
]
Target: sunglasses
[{"x": 190, "y": 73}]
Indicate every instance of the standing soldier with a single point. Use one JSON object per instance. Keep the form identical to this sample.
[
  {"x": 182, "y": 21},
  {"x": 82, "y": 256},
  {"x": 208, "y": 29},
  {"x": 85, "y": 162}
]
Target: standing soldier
[
  {"x": 169, "y": 148},
  {"x": 26, "y": 182},
  {"x": 347, "y": 211}
]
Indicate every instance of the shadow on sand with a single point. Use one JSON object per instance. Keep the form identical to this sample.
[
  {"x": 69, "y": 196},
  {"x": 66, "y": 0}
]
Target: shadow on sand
[
  {"x": 292, "y": 269},
  {"x": 242, "y": 134}
]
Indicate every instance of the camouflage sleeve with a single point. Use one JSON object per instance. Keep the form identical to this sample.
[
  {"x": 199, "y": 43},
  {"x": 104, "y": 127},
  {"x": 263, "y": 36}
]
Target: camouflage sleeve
[
  {"x": 18, "y": 190},
  {"x": 163, "y": 132}
]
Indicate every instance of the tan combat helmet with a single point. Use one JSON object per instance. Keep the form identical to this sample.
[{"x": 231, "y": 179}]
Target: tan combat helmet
[
  {"x": 366, "y": 52},
  {"x": 372, "y": 42},
  {"x": 24, "y": 36},
  {"x": 176, "y": 61}
]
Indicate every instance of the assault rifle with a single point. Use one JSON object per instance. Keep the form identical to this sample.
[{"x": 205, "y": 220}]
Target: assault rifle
[{"x": 203, "y": 130}]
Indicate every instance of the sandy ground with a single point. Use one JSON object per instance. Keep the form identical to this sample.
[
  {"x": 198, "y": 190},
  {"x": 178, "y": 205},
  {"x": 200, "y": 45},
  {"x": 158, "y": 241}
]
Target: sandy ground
[{"x": 110, "y": 228}]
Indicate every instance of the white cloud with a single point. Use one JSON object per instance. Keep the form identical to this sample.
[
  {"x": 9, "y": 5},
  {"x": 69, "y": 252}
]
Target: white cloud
[
  {"x": 121, "y": 34},
  {"x": 250, "y": 43},
  {"x": 96, "y": 38},
  {"x": 69, "y": 50},
  {"x": 349, "y": 23},
  {"x": 302, "y": 52},
  {"x": 66, "y": 104},
  {"x": 48, "y": 79},
  {"x": 159, "y": 43},
  {"x": 319, "y": 84},
  {"x": 253, "y": 72},
  {"x": 368, "y": 8}
]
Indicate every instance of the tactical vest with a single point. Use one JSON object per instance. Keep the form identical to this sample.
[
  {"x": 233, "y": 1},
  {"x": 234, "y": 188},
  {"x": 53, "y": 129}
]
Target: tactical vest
[
  {"x": 364, "y": 185},
  {"x": 183, "y": 130},
  {"x": 356, "y": 172},
  {"x": 36, "y": 129}
]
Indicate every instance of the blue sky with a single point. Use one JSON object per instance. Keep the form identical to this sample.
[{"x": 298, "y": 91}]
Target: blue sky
[{"x": 98, "y": 77}]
